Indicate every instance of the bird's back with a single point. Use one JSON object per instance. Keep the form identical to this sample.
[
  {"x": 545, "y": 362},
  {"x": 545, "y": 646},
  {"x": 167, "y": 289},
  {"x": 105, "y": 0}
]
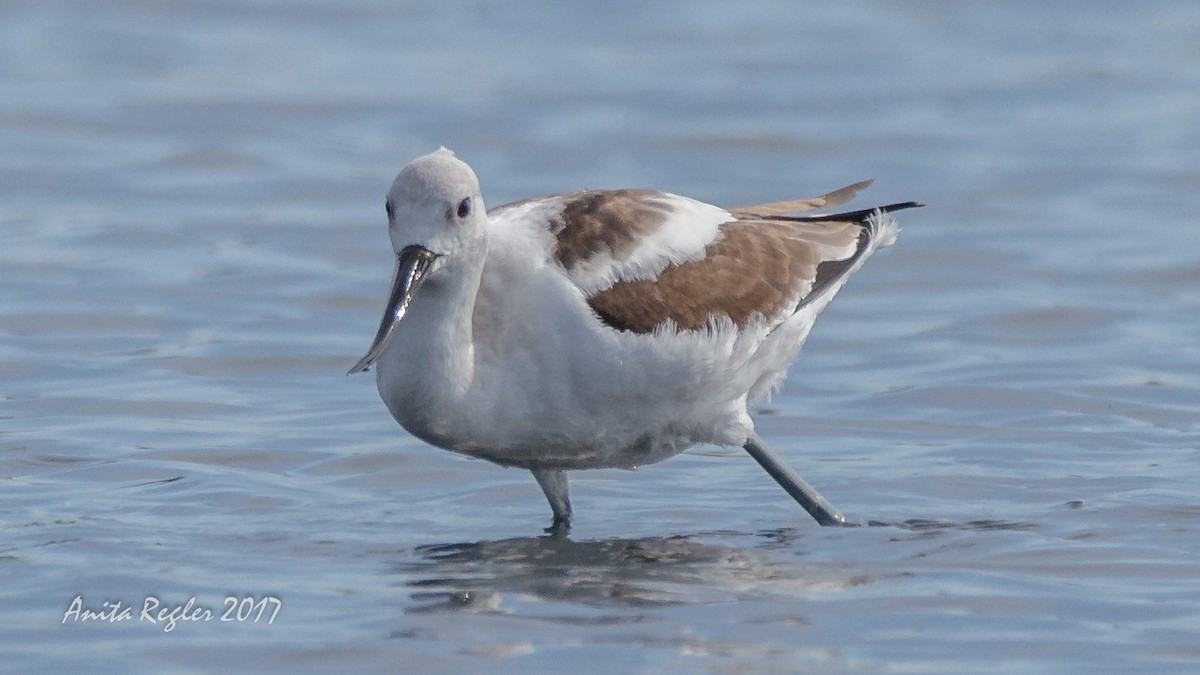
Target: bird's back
[{"x": 646, "y": 322}]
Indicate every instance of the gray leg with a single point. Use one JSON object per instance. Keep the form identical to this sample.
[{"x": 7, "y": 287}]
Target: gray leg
[
  {"x": 797, "y": 487},
  {"x": 554, "y": 484}
]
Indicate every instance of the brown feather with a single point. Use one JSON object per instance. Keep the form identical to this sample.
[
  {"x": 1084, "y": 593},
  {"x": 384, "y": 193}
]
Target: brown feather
[
  {"x": 757, "y": 267},
  {"x": 827, "y": 200},
  {"x": 598, "y": 221}
]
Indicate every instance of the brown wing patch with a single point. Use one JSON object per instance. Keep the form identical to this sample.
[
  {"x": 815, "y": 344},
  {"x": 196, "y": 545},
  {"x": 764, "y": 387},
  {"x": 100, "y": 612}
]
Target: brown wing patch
[
  {"x": 598, "y": 221},
  {"x": 827, "y": 200},
  {"x": 756, "y": 267}
]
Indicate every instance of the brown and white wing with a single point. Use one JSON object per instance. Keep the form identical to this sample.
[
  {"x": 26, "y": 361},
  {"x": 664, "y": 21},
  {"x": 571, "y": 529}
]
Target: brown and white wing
[
  {"x": 603, "y": 237},
  {"x": 758, "y": 268},
  {"x": 644, "y": 258}
]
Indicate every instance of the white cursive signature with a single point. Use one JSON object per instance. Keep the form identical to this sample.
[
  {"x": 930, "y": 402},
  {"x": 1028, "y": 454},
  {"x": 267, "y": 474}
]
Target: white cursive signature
[{"x": 247, "y": 609}]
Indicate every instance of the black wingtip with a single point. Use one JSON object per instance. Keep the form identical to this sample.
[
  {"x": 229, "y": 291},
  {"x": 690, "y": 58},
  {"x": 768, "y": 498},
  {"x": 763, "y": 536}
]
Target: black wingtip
[
  {"x": 899, "y": 206},
  {"x": 854, "y": 216}
]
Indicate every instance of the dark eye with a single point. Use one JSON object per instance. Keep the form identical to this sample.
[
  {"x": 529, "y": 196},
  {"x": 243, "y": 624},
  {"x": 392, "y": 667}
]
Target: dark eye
[
  {"x": 464, "y": 208},
  {"x": 390, "y": 208}
]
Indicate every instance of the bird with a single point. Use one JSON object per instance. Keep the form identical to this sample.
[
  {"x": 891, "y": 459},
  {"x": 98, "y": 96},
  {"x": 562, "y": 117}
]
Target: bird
[{"x": 604, "y": 327}]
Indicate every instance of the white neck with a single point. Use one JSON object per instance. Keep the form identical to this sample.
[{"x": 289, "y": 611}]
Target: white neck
[{"x": 429, "y": 365}]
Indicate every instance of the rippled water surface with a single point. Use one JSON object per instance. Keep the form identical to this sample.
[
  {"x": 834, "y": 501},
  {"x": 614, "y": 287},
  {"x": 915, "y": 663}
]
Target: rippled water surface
[{"x": 194, "y": 253}]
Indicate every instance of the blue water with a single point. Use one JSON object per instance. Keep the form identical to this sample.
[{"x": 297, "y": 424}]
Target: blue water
[{"x": 194, "y": 253}]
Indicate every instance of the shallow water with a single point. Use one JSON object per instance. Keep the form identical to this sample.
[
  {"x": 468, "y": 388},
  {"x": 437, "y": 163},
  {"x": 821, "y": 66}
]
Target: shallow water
[{"x": 194, "y": 253}]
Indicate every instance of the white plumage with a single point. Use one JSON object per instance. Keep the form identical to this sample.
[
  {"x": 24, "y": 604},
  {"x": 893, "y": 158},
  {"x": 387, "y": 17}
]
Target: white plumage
[{"x": 599, "y": 328}]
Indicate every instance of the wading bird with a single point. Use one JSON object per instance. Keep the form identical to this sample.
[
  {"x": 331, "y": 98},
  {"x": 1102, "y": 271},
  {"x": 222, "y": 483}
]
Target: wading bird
[{"x": 602, "y": 328}]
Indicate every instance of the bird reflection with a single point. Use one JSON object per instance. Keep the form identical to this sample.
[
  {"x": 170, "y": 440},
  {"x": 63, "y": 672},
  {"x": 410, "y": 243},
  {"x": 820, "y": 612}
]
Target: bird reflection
[{"x": 490, "y": 576}]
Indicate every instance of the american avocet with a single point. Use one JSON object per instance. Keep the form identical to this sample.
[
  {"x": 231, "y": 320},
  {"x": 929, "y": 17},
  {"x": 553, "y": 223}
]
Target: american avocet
[{"x": 601, "y": 328}]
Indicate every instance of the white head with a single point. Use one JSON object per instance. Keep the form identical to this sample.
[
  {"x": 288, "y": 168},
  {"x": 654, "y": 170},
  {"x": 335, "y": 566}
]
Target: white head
[
  {"x": 435, "y": 203},
  {"x": 438, "y": 226}
]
